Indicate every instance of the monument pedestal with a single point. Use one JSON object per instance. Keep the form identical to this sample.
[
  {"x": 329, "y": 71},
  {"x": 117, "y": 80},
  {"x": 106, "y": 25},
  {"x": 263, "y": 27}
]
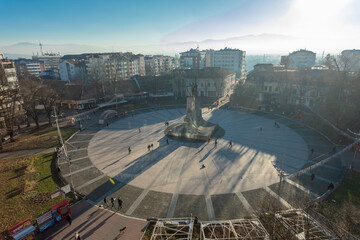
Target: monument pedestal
[{"x": 194, "y": 127}]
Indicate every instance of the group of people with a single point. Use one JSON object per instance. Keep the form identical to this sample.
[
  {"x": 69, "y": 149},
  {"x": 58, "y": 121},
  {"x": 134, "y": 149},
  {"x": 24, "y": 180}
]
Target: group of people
[
  {"x": 112, "y": 202},
  {"x": 150, "y": 147}
]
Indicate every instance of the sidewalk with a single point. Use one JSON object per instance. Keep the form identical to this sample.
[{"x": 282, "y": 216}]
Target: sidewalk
[
  {"x": 92, "y": 222},
  {"x": 348, "y": 157}
]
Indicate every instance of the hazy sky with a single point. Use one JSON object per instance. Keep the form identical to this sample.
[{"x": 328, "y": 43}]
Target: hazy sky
[{"x": 155, "y": 25}]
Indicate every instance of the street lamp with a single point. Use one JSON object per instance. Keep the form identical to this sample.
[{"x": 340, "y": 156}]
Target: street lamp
[{"x": 66, "y": 154}]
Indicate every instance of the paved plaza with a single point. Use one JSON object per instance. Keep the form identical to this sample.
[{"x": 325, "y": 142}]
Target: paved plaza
[{"x": 178, "y": 178}]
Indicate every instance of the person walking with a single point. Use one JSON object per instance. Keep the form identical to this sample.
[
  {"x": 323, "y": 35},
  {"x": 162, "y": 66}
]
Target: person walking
[
  {"x": 215, "y": 143},
  {"x": 77, "y": 236},
  {"x": 107, "y": 124},
  {"x": 149, "y": 148},
  {"x": 260, "y": 129},
  {"x": 139, "y": 130},
  {"x": 230, "y": 144},
  {"x": 152, "y": 147},
  {"x": 119, "y": 203},
  {"x": 129, "y": 149},
  {"x": 112, "y": 202},
  {"x": 105, "y": 203},
  {"x": 167, "y": 141},
  {"x": 68, "y": 218}
]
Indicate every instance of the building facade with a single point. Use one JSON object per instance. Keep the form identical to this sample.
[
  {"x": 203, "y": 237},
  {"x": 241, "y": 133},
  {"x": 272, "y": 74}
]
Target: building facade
[
  {"x": 352, "y": 59},
  {"x": 301, "y": 59},
  {"x": 51, "y": 62},
  {"x": 10, "y": 72},
  {"x": 158, "y": 64},
  {"x": 211, "y": 82},
  {"x": 230, "y": 59},
  {"x": 72, "y": 70},
  {"x": 192, "y": 59},
  {"x": 34, "y": 67}
]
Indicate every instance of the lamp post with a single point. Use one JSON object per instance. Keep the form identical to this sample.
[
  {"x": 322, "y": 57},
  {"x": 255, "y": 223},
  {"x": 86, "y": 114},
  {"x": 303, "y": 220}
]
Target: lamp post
[{"x": 65, "y": 152}]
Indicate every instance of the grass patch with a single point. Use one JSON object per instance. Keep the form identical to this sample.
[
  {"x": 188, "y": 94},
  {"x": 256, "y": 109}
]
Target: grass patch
[
  {"x": 343, "y": 205},
  {"x": 45, "y": 137},
  {"x": 25, "y": 187}
]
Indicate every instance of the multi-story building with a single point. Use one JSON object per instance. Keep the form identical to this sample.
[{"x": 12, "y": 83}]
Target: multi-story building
[
  {"x": 10, "y": 72},
  {"x": 72, "y": 70},
  {"x": 158, "y": 64},
  {"x": 192, "y": 59},
  {"x": 114, "y": 66},
  {"x": 299, "y": 59},
  {"x": 352, "y": 60},
  {"x": 231, "y": 59},
  {"x": 51, "y": 62},
  {"x": 34, "y": 67},
  {"x": 211, "y": 82}
]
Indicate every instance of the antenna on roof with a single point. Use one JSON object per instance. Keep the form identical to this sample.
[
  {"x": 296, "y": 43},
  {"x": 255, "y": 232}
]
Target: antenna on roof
[{"x": 41, "y": 50}]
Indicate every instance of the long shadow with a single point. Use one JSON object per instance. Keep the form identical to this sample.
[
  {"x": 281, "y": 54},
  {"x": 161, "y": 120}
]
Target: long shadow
[{"x": 137, "y": 167}]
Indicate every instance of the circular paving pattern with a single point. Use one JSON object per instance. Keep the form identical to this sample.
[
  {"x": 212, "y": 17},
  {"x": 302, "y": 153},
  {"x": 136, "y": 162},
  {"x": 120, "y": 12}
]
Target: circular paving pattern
[
  {"x": 194, "y": 168},
  {"x": 182, "y": 178}
]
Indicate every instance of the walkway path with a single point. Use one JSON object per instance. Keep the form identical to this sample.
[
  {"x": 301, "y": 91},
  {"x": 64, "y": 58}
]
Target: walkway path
[{"x": 96, "y": 223}]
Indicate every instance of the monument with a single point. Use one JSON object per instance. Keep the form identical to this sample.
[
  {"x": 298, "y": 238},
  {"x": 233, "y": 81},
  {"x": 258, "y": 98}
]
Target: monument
[{"x": 194, "y": 127}]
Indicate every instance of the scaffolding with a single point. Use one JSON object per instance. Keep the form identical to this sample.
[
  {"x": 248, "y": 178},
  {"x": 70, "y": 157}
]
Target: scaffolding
[
  {"x": 302, "y": 225},
  {"x": 175, "y": 228},
  {"x": 249, "y": 229}
]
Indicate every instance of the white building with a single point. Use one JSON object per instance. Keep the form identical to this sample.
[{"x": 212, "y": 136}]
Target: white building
[
  {"x": 10, "y": 71},
  {"x": 34, "y": 67},
  {"x": 71, "y": 70},
  {"x": 352, "y": 59},
  {"x": 302, "y": 59},
  {"x": 230, "y": 59}
]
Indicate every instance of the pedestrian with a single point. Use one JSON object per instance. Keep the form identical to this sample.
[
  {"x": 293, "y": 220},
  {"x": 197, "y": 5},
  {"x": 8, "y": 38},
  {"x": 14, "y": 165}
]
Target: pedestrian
[
  {"x": 167, "y": 141},
  {"x": 312, "y": 177},
  {"x": 139, "y": 130},
  {"x": 149, "y": 148},
  {"x": 152, "y": 147},
  {"x": 112, "y": 202},
  {"x": 261, "y": 129},
  {"x": 77, "y": 236},
  {"x": 107, "y": 124},
  {"x": 68, "y": 218},
  {"x": 122, "y": 230},
  {"x": 105, "y": 203},
  {"x": 129, "y": 149},
  {"x": 119, "y": 203},
  {"x": 196, "y": 220},
  {"x": 215, "y": 143},
  {"x": 208, "y": 139},
  {"x": 312, "y": 150},
  {"x": 202, "y": 166},
  {"x": 331, "y": 186},
  {"x": 275, "y": 124},
  {"x": 230, "y": 144}
]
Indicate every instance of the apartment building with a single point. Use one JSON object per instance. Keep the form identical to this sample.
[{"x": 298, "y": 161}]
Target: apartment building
[{"x": 158, "y": 64}]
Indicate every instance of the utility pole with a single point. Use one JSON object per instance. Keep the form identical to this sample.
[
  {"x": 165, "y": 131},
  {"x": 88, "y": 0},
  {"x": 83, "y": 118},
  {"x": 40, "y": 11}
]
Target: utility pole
[{"x": 65, "y": 152}]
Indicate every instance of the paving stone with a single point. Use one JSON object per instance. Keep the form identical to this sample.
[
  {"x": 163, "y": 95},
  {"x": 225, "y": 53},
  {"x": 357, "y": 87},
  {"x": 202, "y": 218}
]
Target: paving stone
[
  {"x": 194, "y": 204},
  {"x": 154, "y": 204},
  {"x": 228, "y": 206},
  {"x": 317, "y": 186},
  {"x": 128, "y": 194},
  {"x": 261, "y": 201},
  {"x": 293, "y": 195}
]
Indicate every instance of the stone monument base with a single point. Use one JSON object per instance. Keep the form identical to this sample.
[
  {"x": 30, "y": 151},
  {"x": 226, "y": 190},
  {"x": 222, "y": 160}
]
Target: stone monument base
[{"x": 187, "y": 131}]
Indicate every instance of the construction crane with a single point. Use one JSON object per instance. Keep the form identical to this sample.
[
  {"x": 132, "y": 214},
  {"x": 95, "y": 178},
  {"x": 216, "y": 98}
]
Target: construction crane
[{"x": 41, "y": 50}]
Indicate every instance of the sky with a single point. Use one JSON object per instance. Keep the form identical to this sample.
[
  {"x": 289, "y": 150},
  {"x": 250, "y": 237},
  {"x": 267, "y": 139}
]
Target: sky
[{"x": 170, "y": 26}]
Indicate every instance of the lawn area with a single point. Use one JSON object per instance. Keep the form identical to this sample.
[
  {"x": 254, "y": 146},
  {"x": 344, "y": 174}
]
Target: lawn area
[
  {"x": 45, "y": 137},
  {"x": 25, "y": 187},
  {"x": 343, "y": 205}
]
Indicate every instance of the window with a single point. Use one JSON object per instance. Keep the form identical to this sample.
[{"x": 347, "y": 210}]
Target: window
[{"x": 265, "y": 88}]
